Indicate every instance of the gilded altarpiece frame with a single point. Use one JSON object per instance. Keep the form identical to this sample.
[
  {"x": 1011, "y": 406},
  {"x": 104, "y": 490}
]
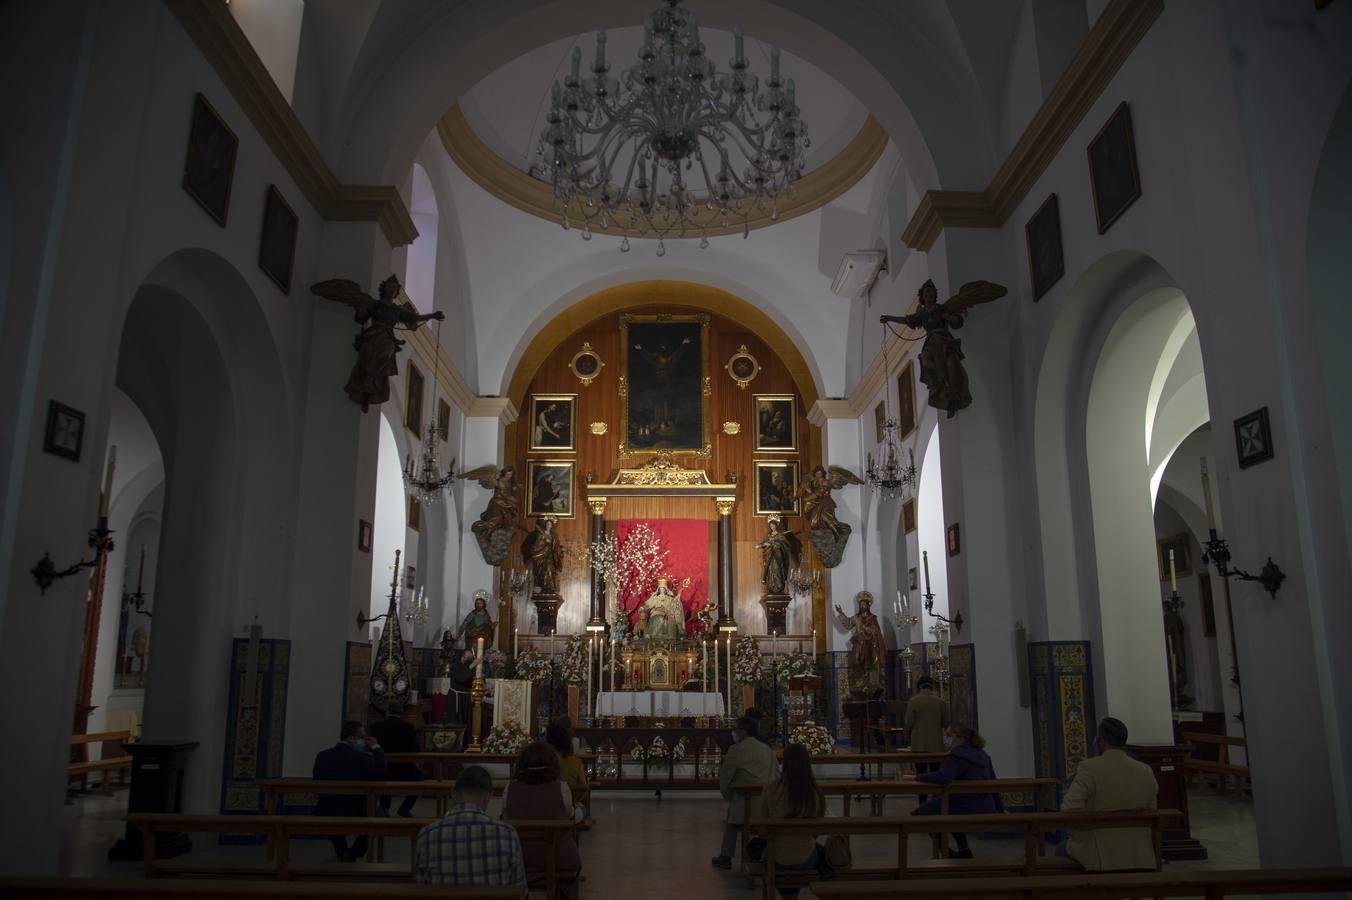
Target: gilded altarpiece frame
[
  {"x": 255, "y": 727},
  {"x": 650, "y": 376},
  {"x": 1061, "y": 691}
]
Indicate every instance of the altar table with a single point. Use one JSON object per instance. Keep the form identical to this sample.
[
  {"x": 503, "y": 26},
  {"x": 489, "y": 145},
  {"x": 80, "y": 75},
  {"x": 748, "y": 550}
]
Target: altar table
[{"x": 658, "y": 703}]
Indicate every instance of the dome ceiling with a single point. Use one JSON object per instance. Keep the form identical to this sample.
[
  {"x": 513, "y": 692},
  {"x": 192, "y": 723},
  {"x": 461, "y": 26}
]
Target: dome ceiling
[{"x": 493, "y": 133}]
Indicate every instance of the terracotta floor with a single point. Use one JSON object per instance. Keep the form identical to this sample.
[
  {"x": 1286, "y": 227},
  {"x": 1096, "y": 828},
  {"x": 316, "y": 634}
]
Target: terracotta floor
[{"x": 644, "y": 847}]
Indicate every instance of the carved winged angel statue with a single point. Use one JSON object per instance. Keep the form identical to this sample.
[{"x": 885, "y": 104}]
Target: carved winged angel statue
[
  {"x": 829, "y": 535},
  {"x": 498, "y": 522},
  {"x": 941, "y": 357},
  {"x": 377, "y": 347}
]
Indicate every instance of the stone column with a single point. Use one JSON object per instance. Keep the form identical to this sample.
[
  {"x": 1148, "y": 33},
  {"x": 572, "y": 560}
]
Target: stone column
[
  {"x": 841, "y": 446},
  {"x": 597, "y": 622},
  {"x": 727, "y": 618}
]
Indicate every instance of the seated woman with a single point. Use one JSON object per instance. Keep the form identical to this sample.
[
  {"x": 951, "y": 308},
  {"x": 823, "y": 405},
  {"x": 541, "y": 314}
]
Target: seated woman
[
  {"x": 537, "y": 792},
  {"x": 966, "y": 761},
  {"x": 794, "y": 795},
  {"x": 559, "y": 735}
]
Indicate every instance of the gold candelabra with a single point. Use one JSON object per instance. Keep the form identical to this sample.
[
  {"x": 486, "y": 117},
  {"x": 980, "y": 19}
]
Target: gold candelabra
[{"x": 476, "y": 695}]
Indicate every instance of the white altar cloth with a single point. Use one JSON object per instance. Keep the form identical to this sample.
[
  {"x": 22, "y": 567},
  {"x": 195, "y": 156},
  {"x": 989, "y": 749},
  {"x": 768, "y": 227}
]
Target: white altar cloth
[{"x": 658, "y": 703}]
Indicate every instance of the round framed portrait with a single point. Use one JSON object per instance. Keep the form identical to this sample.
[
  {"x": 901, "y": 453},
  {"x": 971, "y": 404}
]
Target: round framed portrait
[
  {"x": 742, "y": 366},
  {"x": 586, "y": 364}
]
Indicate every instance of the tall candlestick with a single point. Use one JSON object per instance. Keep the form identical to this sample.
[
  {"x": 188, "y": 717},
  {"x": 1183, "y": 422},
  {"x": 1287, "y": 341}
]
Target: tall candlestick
[
  {"x": 924, "y": 556},
  {"x": 106, "y": 497},
  {"x": 814, "y": 645},
  {"x": 1206, "y": 495},
  {"x": 729, "y": 674},
  {"x": 1173, "y": 573}
]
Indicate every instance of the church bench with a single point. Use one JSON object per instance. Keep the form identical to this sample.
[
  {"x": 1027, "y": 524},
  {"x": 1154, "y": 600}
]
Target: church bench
[
  {"x": 445, "y": 766},
  {"x": 1034, "y": 826},
  {"x": 80, "y": 769},
  {"x": 1221, "y": 767},
  {"x": 1044, "y": 788},
  {"x": 129, "y": 889},
  {"x": 279, "y": 830},
  {"x": 1100, "y": 886}
]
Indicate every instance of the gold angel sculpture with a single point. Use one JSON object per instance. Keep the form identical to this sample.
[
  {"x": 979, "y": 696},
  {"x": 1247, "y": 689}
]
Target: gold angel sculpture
[
  {"x": 941, "y": 356},
  {"x": 497, "y": 524},
  {"x": 828, "y": 534},
  {"x": 377, "y": 347}
]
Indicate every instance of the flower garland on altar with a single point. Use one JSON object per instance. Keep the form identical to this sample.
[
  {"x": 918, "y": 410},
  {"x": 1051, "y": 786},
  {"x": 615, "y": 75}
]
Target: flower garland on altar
[
  {"x": 747, "y": 663},
  {"x": 573, "y": 668},
  {"x": 795, "y": 663},
  {"x": 506, "y": 738},
  {"x": 814, "y": 737},
  {"x": 533, "y": 666}
]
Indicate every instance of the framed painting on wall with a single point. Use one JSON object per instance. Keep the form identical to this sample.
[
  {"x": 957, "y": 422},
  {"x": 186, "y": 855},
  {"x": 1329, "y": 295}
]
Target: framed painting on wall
[
  {"x": 776, "y": 488},
  {"x": 915, "y": 579},
  {"x": 953, "y": 542},
  {"x": 665, "y": 385},
  {"x": 64, "y": 436},
  {"x": 413, "y": 400},
  {"x": 1113, "y": 175},
  {"x": 209, "y": 169},
  {"x": 549, "y": 488},
  {"x": 277, "y": 245},
  {"x": 443, "y": 419},
  {"x": 905, "y": 401},
  {"x": 1253, "y": 438},
  {"x": 551, "y": 421},
  {"x": 1046, "y": 257},
  {"x": 363, "y": 536},
  {"x": 908, "y": 516},
  {"x": 776, "y": 423},
  {"x": 414, "y": 514}
]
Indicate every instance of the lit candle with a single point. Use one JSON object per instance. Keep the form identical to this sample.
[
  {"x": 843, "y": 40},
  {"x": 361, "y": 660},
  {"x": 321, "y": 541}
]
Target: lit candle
[
  {"x": 715, "y": 643},
  {"x": 107, "y": 495},
  {"x": 814, "y": 645},
  {"x": 516, "y": 636},
  {"x": 924, "y": 556},
  {"x": 1206, "y": 495},
  {"x": 1173, "y": 573},
  {"x": 479, "y": 654}
]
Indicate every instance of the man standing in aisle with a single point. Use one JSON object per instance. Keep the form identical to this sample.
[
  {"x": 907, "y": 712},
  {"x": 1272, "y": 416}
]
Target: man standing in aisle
[{"x": 926, "y": 722}]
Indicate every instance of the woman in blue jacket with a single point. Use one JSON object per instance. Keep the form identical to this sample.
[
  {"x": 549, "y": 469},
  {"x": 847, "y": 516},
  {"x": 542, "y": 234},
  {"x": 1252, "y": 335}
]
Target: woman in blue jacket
[{"x": 966, "y": 761}]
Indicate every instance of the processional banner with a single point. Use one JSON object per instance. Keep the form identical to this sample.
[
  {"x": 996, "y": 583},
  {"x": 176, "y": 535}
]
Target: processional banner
[{"x": 687, "y": 544}]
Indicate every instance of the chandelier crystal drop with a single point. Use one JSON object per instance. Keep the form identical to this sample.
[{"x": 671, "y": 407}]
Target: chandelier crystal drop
[{"x": 673, "y": 146}]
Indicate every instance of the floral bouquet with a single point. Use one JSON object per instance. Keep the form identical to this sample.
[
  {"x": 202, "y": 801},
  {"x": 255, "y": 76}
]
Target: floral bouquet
[
  {"x": 658, "y": 750},
  {"x": 747, "y": 664},
  {"x": 574, "y": 665},
  {"x": 795, "y": 663},
  {"x": 637, "y": 753},
  {"x": 506, "y": 738},
  {"x": 533, "y": 666},
  {"x": 814, "y": 737},
  {"x": 678, "y": 753}
]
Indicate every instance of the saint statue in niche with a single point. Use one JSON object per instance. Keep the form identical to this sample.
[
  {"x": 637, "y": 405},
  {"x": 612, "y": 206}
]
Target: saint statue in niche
[
  {"x": 829, "y": 535},
  {"x": 941, "y": 356},
  {"x": 377, "y": 347},
  {"x": 866, "y": 644},
  {"x": 477, "y": 623},
  {"x": 544, "y": 555},
  {"x": 779, "y": 556},
  {"x": 662, "y": 617}
]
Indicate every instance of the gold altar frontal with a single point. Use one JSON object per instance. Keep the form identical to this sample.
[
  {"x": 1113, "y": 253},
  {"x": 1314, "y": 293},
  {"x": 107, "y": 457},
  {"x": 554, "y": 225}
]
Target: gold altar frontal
[{"x": 660, "y": 665}]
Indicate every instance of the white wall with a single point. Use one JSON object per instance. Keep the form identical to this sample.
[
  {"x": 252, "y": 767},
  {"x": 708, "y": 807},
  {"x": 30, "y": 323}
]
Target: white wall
[{"x": 273, "y": 28}]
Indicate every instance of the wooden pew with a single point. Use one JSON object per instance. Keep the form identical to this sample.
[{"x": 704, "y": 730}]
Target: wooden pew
[
  {"x": 121, "y": 763},
  {"x": 279, "y": 830},
  {"x": 445, "y": 766},
  {"x": 129, "y": 889},
  {"x": 1034, "y": 827},
  {"x": 1045, "y": 788},
  {"x": 1222, "y": 768},
  {"x": 1105, "y": 886}
]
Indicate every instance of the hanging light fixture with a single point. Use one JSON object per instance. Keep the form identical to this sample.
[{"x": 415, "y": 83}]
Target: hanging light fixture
[
  {"x": 888, "y": 476},
  {"x": 425, "y": 481},
  {"x": 673, "y": 147}
]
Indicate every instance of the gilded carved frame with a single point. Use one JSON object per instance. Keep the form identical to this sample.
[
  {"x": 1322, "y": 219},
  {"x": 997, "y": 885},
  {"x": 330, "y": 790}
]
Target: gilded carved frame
[{"x": 705, "y": 451}]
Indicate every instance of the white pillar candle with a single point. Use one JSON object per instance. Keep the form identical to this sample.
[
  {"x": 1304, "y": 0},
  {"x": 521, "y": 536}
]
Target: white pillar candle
[
  {"x": 1173, "y": 573},
  {"x": 814, "y": 645},
  {"x": 729, "y": 673},
  {"x": 1206, "y": 495},
  {"x": 591, "y": 639},
  {"x": 716, "y": 688},
  {"x": 479, "y": 655},
  {"x": 516, "y": 637}
]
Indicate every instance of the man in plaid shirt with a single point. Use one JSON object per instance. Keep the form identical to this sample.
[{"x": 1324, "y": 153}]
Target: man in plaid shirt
[{"x": 466, "y": 846}]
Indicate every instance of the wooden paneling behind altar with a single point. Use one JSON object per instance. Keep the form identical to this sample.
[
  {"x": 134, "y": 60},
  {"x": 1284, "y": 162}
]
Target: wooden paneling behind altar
[{"x": 731, "y": 450}]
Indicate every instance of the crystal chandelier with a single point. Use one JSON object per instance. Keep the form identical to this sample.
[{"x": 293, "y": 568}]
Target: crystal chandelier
[
  {"x": 425, "y": 481},
  {"x": 417, "y": 612},
  {"x": 673, "y": 147},
  {"x": 888, "y": 476}
]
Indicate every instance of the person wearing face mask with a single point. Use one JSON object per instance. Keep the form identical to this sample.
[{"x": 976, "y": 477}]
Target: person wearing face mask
[
  {"x": 748, "y": 761},
  {"x": 966, "y": 761},
  {"x": 354, "y": 758}
]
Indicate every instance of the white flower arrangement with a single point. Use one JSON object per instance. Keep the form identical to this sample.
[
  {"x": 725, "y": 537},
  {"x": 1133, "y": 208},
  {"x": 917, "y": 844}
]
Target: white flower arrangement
[
  {"x": 506, "y": 738},
  {"x": 533, "y": 666},
  {"x": 747, "y": 664},
  {"x": 574, "y": 665},
  {"x": 814, "y": 737},
  {"x": 658, "y": 749},
  {"x": 795, "y": 663},
  {"x": 678, "y": 753}
]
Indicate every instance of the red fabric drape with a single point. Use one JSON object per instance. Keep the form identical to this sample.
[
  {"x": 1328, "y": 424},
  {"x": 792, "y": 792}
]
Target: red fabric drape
[{"x": 687, "y": 545}]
